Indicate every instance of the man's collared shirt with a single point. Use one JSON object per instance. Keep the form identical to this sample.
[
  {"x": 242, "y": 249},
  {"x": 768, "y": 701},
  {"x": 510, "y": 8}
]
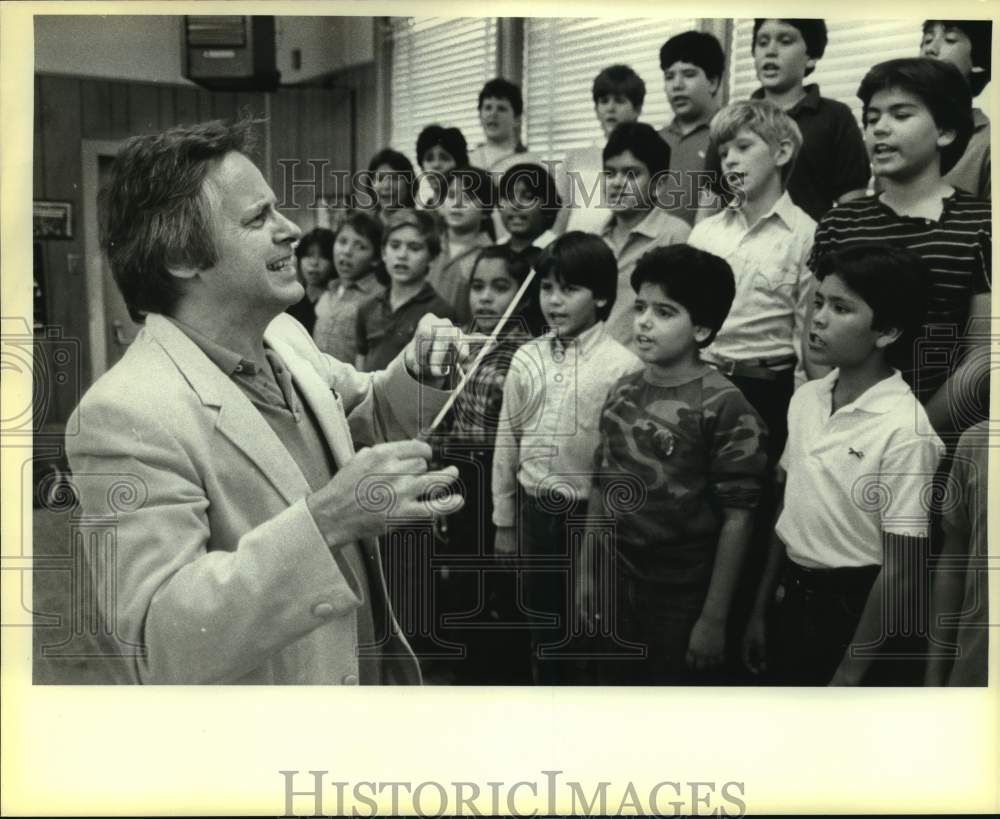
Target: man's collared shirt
[
  {"x": 855, "y": 473},
  {"x": 271, "y": 389},
  {"x": 832, "y": 160},
  {"x": 657, "y": 229},
  {"x": 773, "y": 280},
  {"x": 552, "y": 401},
  {"x": 335, "y": 331}
]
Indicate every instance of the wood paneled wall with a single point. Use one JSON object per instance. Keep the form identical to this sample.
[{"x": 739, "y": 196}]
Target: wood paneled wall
[{"x": 304, "y": 123}]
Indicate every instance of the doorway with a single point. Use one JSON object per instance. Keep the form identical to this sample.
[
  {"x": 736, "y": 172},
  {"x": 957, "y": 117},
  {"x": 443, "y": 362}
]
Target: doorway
[{"x": 111, "y": 327}]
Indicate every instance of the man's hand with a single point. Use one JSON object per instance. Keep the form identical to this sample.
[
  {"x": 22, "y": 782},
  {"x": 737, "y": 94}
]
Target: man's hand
[
  {"x": 435, "y": 348},
  {"x": 707, "y": 644},
  {"x": 351, "y": 506}
]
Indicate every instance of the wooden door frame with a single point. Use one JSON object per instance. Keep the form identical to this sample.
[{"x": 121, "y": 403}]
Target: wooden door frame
[{"x": 91, "y": 150}]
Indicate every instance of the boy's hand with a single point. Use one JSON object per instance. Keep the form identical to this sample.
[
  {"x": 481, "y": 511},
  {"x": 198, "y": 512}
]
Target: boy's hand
[
  {"x": 707, "y": 645},
  {"x": 755, "y": 645},
  {"x": 504, "y": 546}
]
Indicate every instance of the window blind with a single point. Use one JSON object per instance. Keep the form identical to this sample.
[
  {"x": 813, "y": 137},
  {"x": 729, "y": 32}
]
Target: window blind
[
  {"x": 854, "y": 46},
  {"x": 561, "y": 58},
  {"x": 438, "y": 67}
]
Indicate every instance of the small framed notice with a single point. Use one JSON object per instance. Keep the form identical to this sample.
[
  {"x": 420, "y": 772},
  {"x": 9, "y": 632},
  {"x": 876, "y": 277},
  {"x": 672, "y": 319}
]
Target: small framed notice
[{"x": 52, "y": 220}]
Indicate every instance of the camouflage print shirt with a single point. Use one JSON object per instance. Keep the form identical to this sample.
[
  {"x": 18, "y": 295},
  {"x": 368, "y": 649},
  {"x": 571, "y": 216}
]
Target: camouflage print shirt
[{"x": 672, "y": 456}]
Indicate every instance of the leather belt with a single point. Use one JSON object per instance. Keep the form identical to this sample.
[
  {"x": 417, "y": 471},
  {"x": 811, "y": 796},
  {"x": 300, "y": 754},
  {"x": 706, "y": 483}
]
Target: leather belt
[{"x": 769, "y": 369}]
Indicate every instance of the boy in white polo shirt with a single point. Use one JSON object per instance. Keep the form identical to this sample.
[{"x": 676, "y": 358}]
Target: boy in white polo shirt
[{"x": 859, "y": 461}]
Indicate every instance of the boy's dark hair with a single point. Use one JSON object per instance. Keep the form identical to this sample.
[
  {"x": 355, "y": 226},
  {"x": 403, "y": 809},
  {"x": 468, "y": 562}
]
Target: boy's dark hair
[
  {"x": 451, "y": 139},
  {"x": 700, "y": 281},
  {"x": 517, "y": 265},
  {"x": 318, "y": 237},
  {"x": 940, "y": 86},
  {"x": 620, "y": 79},
  {"x": 502, "y": 89},
  {"x": 364, "y": 224},
  {"x": 399, "y": 164},
  {"x": 394, "y": 159},
  {"x": 813, "y": 32},
  {"x": 642, "y": 140},
  {"x": 980, "y": 34},
  {"x": 695, "y": 47},
  {"x": 422, "y": 221},
  {"x": 539, "y": 185},
  {"x": 154, "y": 213},
  {"x": 583, "y": 259},
  {"x": 891, "y": 280}
]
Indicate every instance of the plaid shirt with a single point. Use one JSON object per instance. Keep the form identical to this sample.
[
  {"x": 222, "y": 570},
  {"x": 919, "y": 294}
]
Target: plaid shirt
[{"x": 475, "y": 415}]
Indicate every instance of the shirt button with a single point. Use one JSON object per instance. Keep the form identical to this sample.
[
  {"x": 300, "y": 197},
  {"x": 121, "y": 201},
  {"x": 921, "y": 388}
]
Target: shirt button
[
  {"x": 323, "y": 610},
  {"x": 558, "y": 378},
  {"x": 350, "y": 679}
]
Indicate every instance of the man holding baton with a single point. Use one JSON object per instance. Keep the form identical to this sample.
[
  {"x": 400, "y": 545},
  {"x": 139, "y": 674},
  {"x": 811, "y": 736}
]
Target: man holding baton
[{"x": 245, "y": 552}]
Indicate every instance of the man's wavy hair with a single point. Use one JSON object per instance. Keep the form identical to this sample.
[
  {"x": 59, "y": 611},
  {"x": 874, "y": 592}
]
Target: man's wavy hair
[{"x": 154, "y": 213}]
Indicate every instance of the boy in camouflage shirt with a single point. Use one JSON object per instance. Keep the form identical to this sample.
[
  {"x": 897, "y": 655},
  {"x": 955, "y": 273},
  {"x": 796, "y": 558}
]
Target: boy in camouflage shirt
[{"x": 677, "y": 474}]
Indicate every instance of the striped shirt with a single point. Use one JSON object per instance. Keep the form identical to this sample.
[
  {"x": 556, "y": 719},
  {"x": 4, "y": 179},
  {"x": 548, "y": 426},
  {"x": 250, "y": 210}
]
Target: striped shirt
[{"x": 958, "y": 250}]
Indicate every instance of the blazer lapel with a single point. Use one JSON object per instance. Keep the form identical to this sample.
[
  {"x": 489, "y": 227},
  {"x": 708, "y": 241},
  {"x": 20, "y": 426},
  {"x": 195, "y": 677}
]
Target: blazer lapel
[{"x": 238, "y": 419}]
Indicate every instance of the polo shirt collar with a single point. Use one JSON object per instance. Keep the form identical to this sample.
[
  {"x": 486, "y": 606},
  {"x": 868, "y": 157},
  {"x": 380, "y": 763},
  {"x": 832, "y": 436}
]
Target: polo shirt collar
[
  {"x": 651, "y": 225},
  {"x": 675, "y": 129},
  {"x": 425, "y": 293},
  {"x": 810, "y": 100},
  {"x": 367, "y": 284},
  {"x": 878, "y": 399}
]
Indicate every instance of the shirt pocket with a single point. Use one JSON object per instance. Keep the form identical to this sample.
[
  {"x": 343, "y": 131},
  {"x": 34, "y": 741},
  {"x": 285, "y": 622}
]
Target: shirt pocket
[{"x": 768, "y": 283}]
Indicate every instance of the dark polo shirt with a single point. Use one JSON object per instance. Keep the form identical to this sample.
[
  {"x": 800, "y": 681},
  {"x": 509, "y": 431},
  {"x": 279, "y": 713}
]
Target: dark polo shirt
[
  {"x": 833, "y": 159},
  {"x": 383, "y": 333}
]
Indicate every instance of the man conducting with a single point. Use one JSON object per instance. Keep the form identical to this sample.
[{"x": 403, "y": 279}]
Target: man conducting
[{"x": 246, "y": 555}]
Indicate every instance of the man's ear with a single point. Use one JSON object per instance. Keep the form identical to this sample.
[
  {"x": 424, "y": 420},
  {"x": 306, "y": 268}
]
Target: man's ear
[
  {"x": 701, "y": 333},
  {"x": 887, "y": 337},
  {"x": 715, "y": 85}
]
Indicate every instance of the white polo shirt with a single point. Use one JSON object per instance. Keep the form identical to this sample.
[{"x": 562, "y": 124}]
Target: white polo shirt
[{"x": 855, "y": 473}]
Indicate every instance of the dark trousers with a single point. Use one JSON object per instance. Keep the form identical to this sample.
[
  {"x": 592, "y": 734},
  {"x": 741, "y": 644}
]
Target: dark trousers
[
  {"x": 816, "y": 620},
  {"x": 659, "y": 619},
  {"x": 477, "y": 594},
  {"x": 546, "y": 573}
]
